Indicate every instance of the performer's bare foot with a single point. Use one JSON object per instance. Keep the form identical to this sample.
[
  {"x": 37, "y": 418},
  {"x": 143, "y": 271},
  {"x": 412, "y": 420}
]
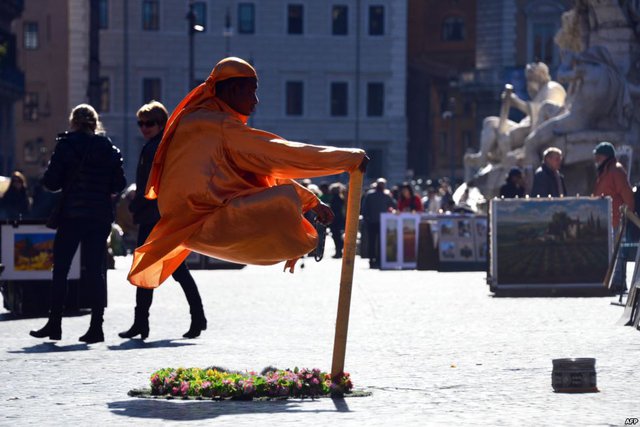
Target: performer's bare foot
[{"x": 291, "y": 265}]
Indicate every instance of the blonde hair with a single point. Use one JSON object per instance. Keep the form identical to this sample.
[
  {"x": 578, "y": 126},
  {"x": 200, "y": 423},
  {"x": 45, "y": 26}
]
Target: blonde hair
[
  {"x": 155, "y": 111},
  {"x": 84, "y": 118}
]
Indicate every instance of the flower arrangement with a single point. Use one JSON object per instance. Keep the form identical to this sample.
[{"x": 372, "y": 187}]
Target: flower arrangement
[{"x": 217, "y": 383}]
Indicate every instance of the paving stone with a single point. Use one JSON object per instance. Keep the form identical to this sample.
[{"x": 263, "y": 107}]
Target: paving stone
[{"x": 434, "y": 348}]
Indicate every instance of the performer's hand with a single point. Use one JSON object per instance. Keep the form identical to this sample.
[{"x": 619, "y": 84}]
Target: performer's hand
[
  {"x": 324, "y": 213},
  {"x": 364, "y": 163}
]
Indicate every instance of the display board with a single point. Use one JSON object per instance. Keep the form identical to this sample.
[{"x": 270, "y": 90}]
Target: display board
[
  {"x": 461, "y": 240},
  {"x": 549, "y": 243},
  {"x": 27, "y": 253}
]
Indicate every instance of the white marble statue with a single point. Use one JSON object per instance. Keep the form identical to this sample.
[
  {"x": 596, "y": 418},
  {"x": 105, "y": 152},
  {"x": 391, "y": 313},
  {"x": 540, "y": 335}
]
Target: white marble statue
[{"x": 499, "y": 135}]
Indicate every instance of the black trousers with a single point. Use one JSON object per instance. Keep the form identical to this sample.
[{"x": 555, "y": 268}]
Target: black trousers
[
  {"x": 93, "y": 236},
  {"x": 144, "y": 297},
  {"x": 373, "y": 243}
]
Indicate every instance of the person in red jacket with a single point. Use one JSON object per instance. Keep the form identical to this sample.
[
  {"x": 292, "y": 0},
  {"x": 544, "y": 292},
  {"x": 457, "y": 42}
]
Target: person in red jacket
[
  {"x": 612, "y": 181},
  {"x": 408, "y": 201}
]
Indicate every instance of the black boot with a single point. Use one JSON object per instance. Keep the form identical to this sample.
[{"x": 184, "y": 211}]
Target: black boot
[
  {"x": 140, "y": 325},
  {"x": 198, "y": 324},
  {"x": 95, "y": 333},
  {"x": 52, "y": 330}
]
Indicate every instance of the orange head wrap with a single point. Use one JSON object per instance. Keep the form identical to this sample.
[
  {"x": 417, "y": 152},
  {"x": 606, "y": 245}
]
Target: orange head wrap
[{"x": 227, "y": 68}]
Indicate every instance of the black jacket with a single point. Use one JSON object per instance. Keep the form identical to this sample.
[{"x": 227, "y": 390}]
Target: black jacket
[
  {"x": 545, "y": 183},
  {"x": 145, "y": 211},
  {"x": 86, "y": 191},
  {"x": 510, "y": 191}
]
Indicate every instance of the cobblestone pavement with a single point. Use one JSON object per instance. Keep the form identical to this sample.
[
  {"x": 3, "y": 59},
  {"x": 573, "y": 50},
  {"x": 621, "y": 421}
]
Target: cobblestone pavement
[{"x": 433, "y": 348}]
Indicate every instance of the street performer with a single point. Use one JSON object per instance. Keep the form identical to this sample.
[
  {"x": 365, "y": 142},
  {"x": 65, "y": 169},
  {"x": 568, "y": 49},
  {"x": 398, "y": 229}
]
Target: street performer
[{"x": 227, "y": 190}]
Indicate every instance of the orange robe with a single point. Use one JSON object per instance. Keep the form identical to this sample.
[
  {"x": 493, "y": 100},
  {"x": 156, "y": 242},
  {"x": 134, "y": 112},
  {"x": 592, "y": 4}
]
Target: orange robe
[{"x": 226, "y": 191}]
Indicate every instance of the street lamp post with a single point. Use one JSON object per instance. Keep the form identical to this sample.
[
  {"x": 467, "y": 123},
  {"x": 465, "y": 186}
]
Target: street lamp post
[
  {"x": 448, "y": 115},
  {"x": 227, "y": 33},
  {"x": 452, "y": 109},
  {"x": 193, "y": 29}
]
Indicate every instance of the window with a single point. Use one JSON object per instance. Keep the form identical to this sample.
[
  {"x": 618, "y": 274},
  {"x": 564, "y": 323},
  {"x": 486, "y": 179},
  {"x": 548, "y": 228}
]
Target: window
[
  {"x": 295, "y": 23},
  {"x": 453, "y": 29},
  {"x": 103, "y": 12},
  {"x": 376, "y": 20},
  {"x": 31, "y": 39},
  {"x": 543, "y": 34},
  {"x": 375, "y": 167},
  {"x": 340, "y": 20},
  {"x": 246, "y": 18},
  {"x": 30, "y": 110},
  {"x": 200, "y": 12},
  {"x": 444, "y": 143},
  {"x": 105, "y": 95},
  {"x": 375, "y": 99},
  {"x": 295, "y": 94},
  {"x": 339, "y": 98},
  {"x": 151, "y": 90},
  {"x": 150, "y": 15}
]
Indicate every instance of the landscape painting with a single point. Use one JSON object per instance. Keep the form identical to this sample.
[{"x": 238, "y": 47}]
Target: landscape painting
[
  {"x": 550, "y": 241},
  {"x": 33, "y": 251}
]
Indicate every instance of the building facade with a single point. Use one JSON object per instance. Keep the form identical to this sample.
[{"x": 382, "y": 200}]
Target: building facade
[
  {"x": 11, "y": 82},
  {"x": 53, "y": 52},
  {"x": 441, "y": 50},
  {"x": 330, "y": 73},
  {"x": 461, "y": 53}
]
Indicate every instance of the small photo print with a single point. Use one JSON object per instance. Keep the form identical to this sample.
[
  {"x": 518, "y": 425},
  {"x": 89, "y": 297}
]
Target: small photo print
[
  {"x": 464, "y": 228},
  {"x": 482, "y": 251},
  {"x": 481, "y": 228},
  {"x": 448, "y": 250},
  {"x": 466, "y": 252},
  {"x": 447, "y": 227}
]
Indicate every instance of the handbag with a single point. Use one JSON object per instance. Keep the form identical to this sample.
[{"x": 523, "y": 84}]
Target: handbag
[{"x": 53, "y": 222}]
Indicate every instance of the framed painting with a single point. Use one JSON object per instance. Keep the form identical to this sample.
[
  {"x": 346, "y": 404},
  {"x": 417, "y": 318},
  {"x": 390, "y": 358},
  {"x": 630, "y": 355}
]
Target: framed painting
[
  {"x": 389, "y": 241},
  {"x": 557, "y": 242},
  {"x": 27, "y": 253}
]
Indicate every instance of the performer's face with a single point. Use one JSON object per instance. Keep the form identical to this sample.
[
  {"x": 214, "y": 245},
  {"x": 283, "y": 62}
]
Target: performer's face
[{"x": 244, "y": 98}]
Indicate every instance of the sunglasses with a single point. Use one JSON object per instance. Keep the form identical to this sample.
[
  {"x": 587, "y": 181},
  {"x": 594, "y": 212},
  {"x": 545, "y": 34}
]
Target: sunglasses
[{"x": 147, "y": 123}]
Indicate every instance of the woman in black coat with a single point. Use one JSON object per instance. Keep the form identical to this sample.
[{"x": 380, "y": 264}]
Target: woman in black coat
[{"x": 87, "y": 168}]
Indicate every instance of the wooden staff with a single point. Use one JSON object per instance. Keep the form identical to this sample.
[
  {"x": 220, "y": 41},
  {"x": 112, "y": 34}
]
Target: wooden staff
[
  {"x": 346, "y": 277},
  {"x": 504, "y": 109}
]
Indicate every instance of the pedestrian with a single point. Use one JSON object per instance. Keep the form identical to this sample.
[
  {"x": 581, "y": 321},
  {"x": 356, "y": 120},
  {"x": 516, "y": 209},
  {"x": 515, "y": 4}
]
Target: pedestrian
[
  {"x": 87, "y": 168},
  {"x": 612, "y": 181},
  {"x": 227, "y": 190},
  {"x": 374, "y": 204},
  {"x": 514, "y": 185},
  {"x": 15, "y": 203},
  {"x": 337, "y": 205},
  {"x": 547, "y": 180},
  {"x": 408, "y": 201},
  {"x": 152, "y": 119},
  {"x": 431, "y": 202}
]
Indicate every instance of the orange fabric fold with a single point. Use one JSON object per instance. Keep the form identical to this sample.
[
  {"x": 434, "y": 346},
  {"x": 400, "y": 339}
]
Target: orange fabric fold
[
  {"x": 227, "y": 190},
  {"x": 227, "y": 68}
]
